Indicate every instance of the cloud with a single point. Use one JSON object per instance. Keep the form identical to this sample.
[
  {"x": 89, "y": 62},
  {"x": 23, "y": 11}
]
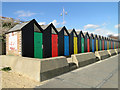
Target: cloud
[
  {"x": 88, "y": 26},
  {"x": 104, "y": 32},
  {"x": 41, "y": 23},
  {"x": 100, "y": 31},
  {"x": 55, "y": 23},
  {"x": 22, "y": 13},
  {"x": 117, "y": 26}
]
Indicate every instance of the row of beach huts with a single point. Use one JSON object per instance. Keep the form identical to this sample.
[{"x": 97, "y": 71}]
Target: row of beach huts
[{"x": 30, "y": 39}]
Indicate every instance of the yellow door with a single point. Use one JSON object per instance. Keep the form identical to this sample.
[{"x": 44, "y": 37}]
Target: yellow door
[
  {"x": 107, "y": 45},
  {"x": 96, "y": 45},
  {"x": 75, "y": 45},
  {"x": 114, "y": 45}
]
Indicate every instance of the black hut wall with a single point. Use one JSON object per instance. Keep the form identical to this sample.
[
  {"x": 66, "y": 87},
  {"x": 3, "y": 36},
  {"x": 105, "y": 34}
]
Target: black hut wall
[
  {"x": 47, "y": 41},
  {"x": 61, "y": 43},
  {"x": 85, "y": 43},
  {"x": 28, "y": 40},
  {"x": 91, "y": 43},
  {"x": 71, "y": 51},
  {"x": 79, "y": 43},
  {"x": 95, "y": 43}
]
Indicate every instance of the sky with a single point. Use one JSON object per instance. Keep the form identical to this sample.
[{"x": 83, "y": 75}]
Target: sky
[{"x": 94, "y": 17}]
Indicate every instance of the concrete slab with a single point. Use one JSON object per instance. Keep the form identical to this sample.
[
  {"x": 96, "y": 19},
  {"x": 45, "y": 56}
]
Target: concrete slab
[
  {"x": 111, "y": 52},
  {"x": 102, "y": 54},
  {"x": 84, "y": 59}
]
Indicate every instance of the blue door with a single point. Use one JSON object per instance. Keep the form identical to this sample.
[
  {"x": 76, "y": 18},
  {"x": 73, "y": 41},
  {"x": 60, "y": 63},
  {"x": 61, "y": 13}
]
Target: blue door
[
  {"x": 66, "y": 45},
  {"x": 105, "y": 45},
  {"x": 92, "y": 45}
]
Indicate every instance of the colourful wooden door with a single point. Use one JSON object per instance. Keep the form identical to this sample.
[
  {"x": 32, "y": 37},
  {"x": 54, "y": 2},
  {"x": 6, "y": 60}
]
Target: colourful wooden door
[
  {"x": 54, "y": 45},
  {"x": 88, "y": 45},
  {"x": 93, "y": 45},
  {"x": 96, "y": 45},
  {"x": 66, "y": 45},
  {"x": 107, "y": 45},
  {"x": 38, "y": 50},
  {"x": 102, "y": 44},
  {"x": 75, "y": 45},
  {"x": 82, "y": 45},
  {"x": 111, "y": 45},
  {"x": 114, "y": 46},
  {"x": 117, "y": 44}
]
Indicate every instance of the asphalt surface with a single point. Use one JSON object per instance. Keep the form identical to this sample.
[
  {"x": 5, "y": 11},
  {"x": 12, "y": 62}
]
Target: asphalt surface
[{"x": 102, "y": 74}]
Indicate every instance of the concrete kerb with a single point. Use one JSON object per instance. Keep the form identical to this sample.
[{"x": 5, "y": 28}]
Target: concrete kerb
[
  {"x": 102, "y": 54},
  {"x": 83, "y": 59},
  {"x": 111, "y": 52},
  {"x": 37, "y": 69}
]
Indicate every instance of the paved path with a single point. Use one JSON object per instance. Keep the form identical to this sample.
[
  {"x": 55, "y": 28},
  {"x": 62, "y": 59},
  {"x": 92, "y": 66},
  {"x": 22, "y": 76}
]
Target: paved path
[{"x": 102, "y": 74}]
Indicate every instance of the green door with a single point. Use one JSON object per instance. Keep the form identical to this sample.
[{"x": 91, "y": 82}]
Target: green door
[
  {"x": 100, "y": 44},
  {"x": 82, "y": 45},
  {"x": 38, "y": 51}
]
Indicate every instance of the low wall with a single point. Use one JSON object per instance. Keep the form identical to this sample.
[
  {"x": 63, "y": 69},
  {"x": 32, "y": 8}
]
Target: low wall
[
  {"x": 111, "y": 52},
  {"x": 102, "y": 54},
  {"x": 117, "y": 51},
  {"x": 37, "y": 69},
  {"x": 84, "y": 59}
]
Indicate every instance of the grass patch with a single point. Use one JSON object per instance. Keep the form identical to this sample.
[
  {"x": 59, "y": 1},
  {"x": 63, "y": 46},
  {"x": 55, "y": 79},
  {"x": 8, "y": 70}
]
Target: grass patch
[{"x": 6, "y": 69}]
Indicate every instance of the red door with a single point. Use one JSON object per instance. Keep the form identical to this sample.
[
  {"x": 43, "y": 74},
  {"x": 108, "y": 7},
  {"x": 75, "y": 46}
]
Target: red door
[
  {"x": 54, "y": 45},
  {"x": 103, "y": 44},
  {"x": 88, "y": 45}
]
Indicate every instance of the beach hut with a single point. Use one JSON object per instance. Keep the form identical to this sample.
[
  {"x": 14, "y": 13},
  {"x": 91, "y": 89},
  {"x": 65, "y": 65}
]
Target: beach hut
[
  {"x": 63, "y": 41},
  {"x": 80, "y": 42},
  {"x": 73, "y": 48},
  {"x": 50, "y": 41},
  {"x": 103, "y": 43},
  {"x": 117, "y": 44},
  {"x": 87, "y": 42},
  {"x": 114, "y": 45},
  {"x": 96, "y": 42},
  {"x": 99, "y": 43},
  {"x": 107, "y": 43},
  {"x": 111, "y": 43},
  {"x": 25, "y": 39},
  {"x": 91, "y": 42}
]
